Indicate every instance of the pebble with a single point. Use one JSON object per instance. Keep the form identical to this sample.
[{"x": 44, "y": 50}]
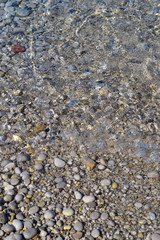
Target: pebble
[
  {"x": 114, "y": 185},
  {"x": 30, "y": 233},
  {"x": 33, "y": 210},
  {"x": 152, "y": 216},
  {"x": 14, "y": 236},
  {"x": 78, "y": 226},
  {"x": 88, "y": 199},
  {"x": 68, "y": 211},
  {"x": 89, "y": 163},
  {"x": 3, "y": 218},
  {"x": 7, "y": 228},
  {"x": 104, "y": 216},
  {"x": 19, "y": 197},
  {"x": 95, "y": 233},
  {"x": 60, "y": 185},
  {"x": 17, "y": 224},
  {"x": 153, "y": 174},
  {"x": 78, "y": 195},
  {"x": 155, "y": 236},
  {"x": 94, "y": 215},
  {"x": 105, "y": 182},
  {"x": 77, "y": 177},
  {"x": 23, "y": 157},
  {"x": 77, "y": 235},
  {"x": 14, "y": 181},
  {"x": 138, "y": 205},
  {"x": 59, "y": 162},
  {"x": 41, "y": 157},
  {"x": 8, "y": 198},
  {"x": 22, "y": 12},
  {"x": 50, "y": 223},
  {"x": 49, "y": 214},
  {"x": 38, "y": 166}
]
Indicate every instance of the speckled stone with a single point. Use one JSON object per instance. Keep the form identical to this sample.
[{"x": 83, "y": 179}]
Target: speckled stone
[
  {"x": 59, "y": 162},
  {"x": 68, "y": 211},
  {"x": 49, "y": 214},
  {"x": 95, "y": 233},
  {"x": 78, "y": 226},
  {"x": 104, "y": 216},
  {"x": 14, "y": 181}
]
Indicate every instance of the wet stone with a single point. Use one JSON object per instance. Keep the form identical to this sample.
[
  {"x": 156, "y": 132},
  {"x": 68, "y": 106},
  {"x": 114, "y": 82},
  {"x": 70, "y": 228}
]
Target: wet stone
[{"x": 14, "y": 181}]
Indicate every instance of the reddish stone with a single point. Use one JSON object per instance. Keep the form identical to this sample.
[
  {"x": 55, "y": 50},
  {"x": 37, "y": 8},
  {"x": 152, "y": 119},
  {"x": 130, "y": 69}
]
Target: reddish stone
[{"x": 18, "y": 48}]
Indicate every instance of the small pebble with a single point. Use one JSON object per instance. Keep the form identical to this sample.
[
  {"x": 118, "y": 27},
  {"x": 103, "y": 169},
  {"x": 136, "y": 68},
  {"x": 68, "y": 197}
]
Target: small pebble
[
  {"x": 105, "y": 182},
  {"x": 30, "y": 233},
  {"x": 49, "y": 214},
  {"x": 78, "y": 226},
  {"x": 138, "y": 205},
  {"x": 22, "y": 12},
  {"x": 68, "y": 211},
  {"x": 7, "y": 228},
  {"x": 41, "y": 157},
  {"x": 33, "y": 210},
  {"x": 88, "y": 199},
  {"x": 3, "y": 218},
  {"x": 104, "y": 216},
  {"x": 94, "y": 215},
  {"x": 59, "y": 162},
  {"x": 38, "y": 166},
  {"x": 88, "y": 162},
  {"x": 14, "y": 236},
  {"x": 77, "y": 177},
  {"x": 22, "y": 157},
  {"x": 17, "y": 224},
  {"x": 153, "y": 174},
  {"x": 78, "y": 195},
  {"x": 114, "y": 185},
  {"x": 152, "y": 216},
  {"x": 95, "y": 233},
  {"x": 77, "y": 235}
]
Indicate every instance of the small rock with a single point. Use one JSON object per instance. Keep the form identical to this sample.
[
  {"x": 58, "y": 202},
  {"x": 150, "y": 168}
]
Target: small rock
[
  {"x": 88, "y": 199},
  {"x": 3, "y": 218},
  {"x": 49, "y": 214},
  {"x": 30, "y": 233},
  {"x": 68, "y": 211},
  {"x": 78, "y": 226},
  {"x": 114, "y": 185},
  {"x": 41, "y": 157},
  {"x": 14, "y": 236},
  {"x": 22, "y": 12},
  {"x": 77, "y": 235},
  {"x": 155, "y": 236},
  {"x": 33, "y": 210},
  {"x": 152, "y": 216},
  {"x": 105, "y": 182},
  {"x": 17, "y": 224},
  {"x": 78, "y": 195},
  {"x": 104, "y": 216},
  {"x": 23, "y": 157},
  {"x": 95, "y": 233},
  {"x": 88, "y": 162},
  {"x": 138, "y": 205},
  {"x": 153, "y": 174},
  {"x": 95, "y": 215},
  {"x": 59, "y": 162},
  {"x": 7, "y": 228},
  {"x": 14, "y": 181}
]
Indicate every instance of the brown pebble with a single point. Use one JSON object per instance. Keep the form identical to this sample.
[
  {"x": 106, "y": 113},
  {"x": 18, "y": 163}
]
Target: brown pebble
[
  {"x": 18, "y": 48},
  {"x": 77, "y": 235},
  {"x": 88, "y": 162}
]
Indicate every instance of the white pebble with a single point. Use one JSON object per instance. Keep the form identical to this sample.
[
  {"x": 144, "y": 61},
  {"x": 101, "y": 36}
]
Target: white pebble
[
  {"x": 78, "y": 195},
  {"x": 153, "y": 174},
  {"x": 59, "y": 162},
  {"x": 138, "y": 205},
  {"x": 105, "y": 182},
  {"x": 77, "y": 177},
  {"x": 88, "y": 199},
  {"x": 68, "y": 211}
]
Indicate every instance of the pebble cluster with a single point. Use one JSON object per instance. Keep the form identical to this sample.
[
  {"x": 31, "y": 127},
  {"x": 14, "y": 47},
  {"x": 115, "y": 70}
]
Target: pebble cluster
[{"x": 79, "y": 131}]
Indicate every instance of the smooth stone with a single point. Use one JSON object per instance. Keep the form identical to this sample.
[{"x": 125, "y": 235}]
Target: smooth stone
[
  {"x": 41, "y": 157},
  {"x": 77, "y": 235},
  {"x": 68, "y": 211},
  {"x": 78, "y": 226},
  {"x": 20, "y": 216},
  {"x": 105, "y": 182},
  {"x": 14, "y": 181},
  {"x": 152, "y": 216},
  {"x": 77, "y": 177},
  {"x": 28, "y": 224},
  {"x": 59, "y": 162},
  {"x": 138, "y": 205},
  {"x": 41, "y": 204},
  {"x": 5, "y": 162},
  {"x": 33, "y": 210},
  {"x": 50, "y": 223},
  {"x": 1, "y": 233},
  {"x": 95, "y": 233},
  {"x": 22, "y": 12},
  {"x": 153, "y": 174},
  {"x": 95, "y": 215},
  {"x": 23, "y": 157},
  {"x": 17, "y": 224},
  {"x": 60, "y": 185},
  {"x": 38, "y": 166},
  {"x": 13, "y": 205},
  {"x": 30, "y": 233},
  {"x": 49, "y": 214},
  {"x": 58, "y": 179},
  {"x": 7, "y": 228},
  {"x": 14, "y": 236},
  {"x": 8, "y": 198},
  {"x": 78, "y": 195},
  {"x": 3, "y": 218},
  {"x": 104, "y": 216},
  {"x": 89, "y": 163},
  {"x": 25, "y": 175},
  {"x": 17, "y": 171},
  {"x": 19, "y": 197},
  {"x": 9, "y": 166},
  {"x": 155, "y": 236},
  {"x": 48, "y": 194},
  {"x": 43, "y": 233},
  {"x": 88, "y": 199}
]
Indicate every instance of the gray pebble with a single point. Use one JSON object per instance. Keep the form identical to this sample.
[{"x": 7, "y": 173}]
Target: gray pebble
[
  {"x": 104, "y": 216},
  {"x": 155, "y": 236},
  {"x": 22, "y": 12},
  {"x": 28, "y": 223},
  {"x": 38, "y": 166},
  {"x": 49, "y": 214},
  {"x": 41, "y": 157},
  {"x": 95, "y": 233},
  {"x": 77, "y": 235},
  {"x": 23, "y": 157},
  {"x": 43, "y": 233},
  {"x": 78, "y": 226},
  {"x": 20, "y": 216},
  {"x": 78, "y": 195},
  {"x": 153, "y": 174},
  {"x": 17, "y": 171},
  {"x": 138, "y": 205},
  {"x": 10, "y": 166},
  {"x": 60, "y": 185},
  {"x": 77, "y": 177},
  {"x": 33, "y": 210},
  {"x": 30, "y": 233},
  {"x": 17, "y": 224},
  {"x": 7, "y": 228},
  {"x": 14, "y": 181},
  {"x": 3, "y": 218},
  {"x": 105, "y": 182},
  {"x": 14, "y": 236},
  {"x": 59, "y": 162},
  {"x": 95, "y": 215},
  {"x": 58, "y": 179},
  {"x": 50, "y": 223},
  {"x": 48, "y": 194},
  {"x": 152, "y": 216},
  {"x": 13, "y": 205},
  {"x": 68, "y": 211},
  {"x": 8, "y": 198},
  {"x": 19, "y": 197}
]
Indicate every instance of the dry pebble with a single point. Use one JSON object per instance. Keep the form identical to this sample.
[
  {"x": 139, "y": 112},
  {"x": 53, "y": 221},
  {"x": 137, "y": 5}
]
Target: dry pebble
[
  {"x": 88, "y": 199},
  {"x": 49, "y": 214},
  {"x": 95, "y": 233},
  {"x": 153, "y": 174},
  {"x": 59, "y": 162},
  {"x": 68, "y": 211},
  {"x": 78, "y": 226},
  {"x": 30, "y": 233}
]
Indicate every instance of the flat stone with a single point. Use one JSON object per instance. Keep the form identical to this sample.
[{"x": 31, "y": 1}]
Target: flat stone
[
  {"x": 41, "y": 157},
  {"x": 89, "y": 163},
  {"x": 68, "y": 211},
  {"x": 88, "y": 199},
  {"x": 23, "y": 157},
  {"x": 49, "y": 214},
  {"x": 22, "y": 12},
  {"x": 7, "y": 228},
  {"x": 14, "y": 236},
  {"x": 59, "y": 162},
  {"x": 138, "y": 205},
  {"x": 33, "y": 210},
  {"x": 104, "y": 216},
  {"x": 153, "y": 174},
  {"x": 78, "y": 195},
  {"x": 152, "y": 216},
  {"x": 14, "y": 181},
  {"x": 30, "y": 233}
]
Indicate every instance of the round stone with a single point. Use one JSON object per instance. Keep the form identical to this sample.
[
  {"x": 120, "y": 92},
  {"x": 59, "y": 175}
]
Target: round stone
[
  {"x": 105, "y": 182},
  {"x": 114, "y": 185},
  {"x": 14, "y": 236},
  {"x": 58, "y": 179},
  {"x": 12, "y": 205},
  {"x": 17, "y": 224},
  {"x": 14, "y": 181},
  {"x": 50, "y": 223},
  {"x": 95, "y": 215},
  {"x": 95, "y": 233},
  {"x": 104, "y": 216},
  {"x": 60, "y": 185},
  {"x": 8, "y": 198},
  {"x": 23, "y": 157},
  {"x": 3, "y": 218},
  {"x": 153, "y": 174},
  {"x": 77, "y": 235},
  {"x": 41, "y": 157},
  {"x": 77, "y": 177},
  {"x": 78, "y": 195},
  {"x": 88, "y": 199},
  {"x": 59, "y": 162},
  {"x": 19, "y": 197},
  {"x": 33, "y": 210},
  {"x": 138, "y": 205},
  {"x": 152, "y": 216},
  {"x": 78, "y": 226},
  {"x": 49, "y": 214},
  {"x": 30, "y": 233},
  {"x": 68, "y": 211},
  {"x": 38, "y": 166}
]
